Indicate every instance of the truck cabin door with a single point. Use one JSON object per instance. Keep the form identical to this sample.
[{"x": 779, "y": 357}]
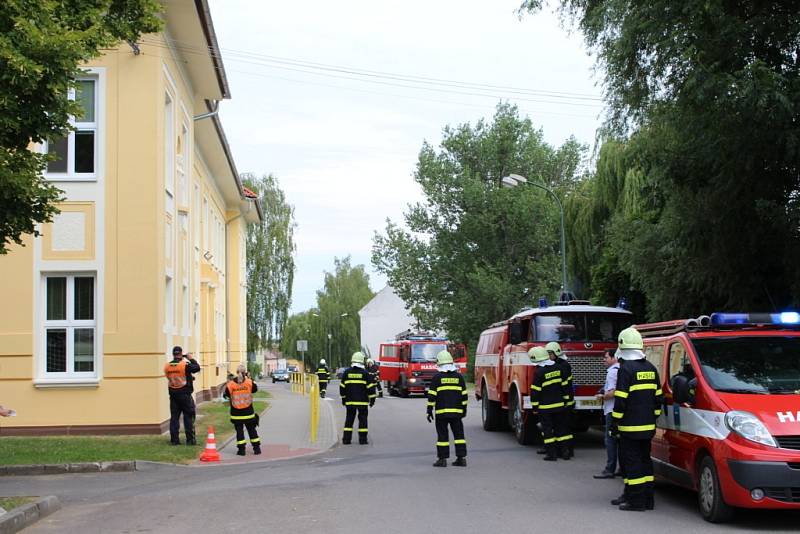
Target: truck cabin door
[
  {"x": 678, "y": 440},
  {"x": 459, "y": 353},
  {"x": 390, "y": 362}
]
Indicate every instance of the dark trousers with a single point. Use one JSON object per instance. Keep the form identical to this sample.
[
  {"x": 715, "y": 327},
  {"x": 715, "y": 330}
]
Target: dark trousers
[
  {"x": 638, "y": 470},
  {"x": 322, "y": 387},
  {"x": 350, "y": 418},
  {"x": 443, "y": 437},
  {"x": 555, "y": 431},
  {"x": 547, "y": 420},
  {"x": 181, "y": 403},
  {"x": 611, "y": 447},
  {"x": 563, "y": 431},
  {"x": 251, "y": 425}
]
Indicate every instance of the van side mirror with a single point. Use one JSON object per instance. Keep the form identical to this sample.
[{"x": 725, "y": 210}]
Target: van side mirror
[
  {"x": 515, "y": 333},
  {"x": 683, "y": 389}
]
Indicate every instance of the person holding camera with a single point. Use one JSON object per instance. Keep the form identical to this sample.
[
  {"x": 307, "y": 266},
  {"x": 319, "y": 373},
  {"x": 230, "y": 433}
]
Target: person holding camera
[
  {"x": 179, "y": 382},
  {"x": 240, "y": 392}
]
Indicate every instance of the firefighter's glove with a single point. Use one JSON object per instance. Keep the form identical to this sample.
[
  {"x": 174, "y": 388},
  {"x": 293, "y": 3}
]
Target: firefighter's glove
[
  {"x": 430, "y": 416},
  {"x": 371, "y": 403},
  {"x": 344, "y": 403},
  {"x": 613, "y": 430}
]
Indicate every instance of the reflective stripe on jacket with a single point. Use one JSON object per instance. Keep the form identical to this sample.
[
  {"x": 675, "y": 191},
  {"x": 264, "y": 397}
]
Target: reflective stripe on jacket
[
  {"x": 241, "y": 394},
  {"x": 637, "y": 399},
  {"x": 548, "y": 388},
  {"x": 447, "y": 395}
]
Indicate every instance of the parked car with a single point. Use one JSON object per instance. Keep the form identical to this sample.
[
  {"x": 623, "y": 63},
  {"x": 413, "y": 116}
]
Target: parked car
[{"x": 280, "y": 375}]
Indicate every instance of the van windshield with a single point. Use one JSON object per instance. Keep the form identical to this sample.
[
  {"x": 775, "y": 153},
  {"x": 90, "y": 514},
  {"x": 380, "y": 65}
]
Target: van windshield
[
  {"x": 598, "y": 327},
  {"x": 426, "y": 352},
  {"x": 755, "y": 365}
]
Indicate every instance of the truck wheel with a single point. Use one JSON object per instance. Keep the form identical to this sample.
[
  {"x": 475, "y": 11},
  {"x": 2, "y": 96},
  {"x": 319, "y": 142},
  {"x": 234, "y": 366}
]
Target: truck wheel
[
  {"x": 491, "y": 412},
  {"x": 524, "y": 429},
  {"x": 709, "y": 494}
]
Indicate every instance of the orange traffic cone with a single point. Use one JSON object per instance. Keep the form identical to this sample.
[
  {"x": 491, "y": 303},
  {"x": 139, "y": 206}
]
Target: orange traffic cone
[{"x": 210, "y": 453}]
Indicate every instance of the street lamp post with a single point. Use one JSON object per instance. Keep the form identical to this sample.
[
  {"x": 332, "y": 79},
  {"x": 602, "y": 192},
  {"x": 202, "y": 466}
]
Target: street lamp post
[
  {"x": 339, "y": 334},
  {"x": 513, "y": 180}
]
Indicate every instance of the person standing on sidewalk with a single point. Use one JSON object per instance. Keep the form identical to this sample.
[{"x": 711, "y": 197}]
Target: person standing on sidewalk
[
  {"x": 179, "y": 382},
  {"x": 358, "y": 394},
  {"x": 240, "y": 392},
  {"x": 547, "y": 400},
  {"x": 323, "y": 376},
  {"x": 637, "y": 405},
  {"x": 448, "y": 399},
  {"x": 607, "y": 396}
]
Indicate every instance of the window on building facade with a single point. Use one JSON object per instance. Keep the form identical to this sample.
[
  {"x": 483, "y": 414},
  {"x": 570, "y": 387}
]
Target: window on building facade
[
  {"x": 70, "y": 325},
  {"x": 76, "y": 153}
]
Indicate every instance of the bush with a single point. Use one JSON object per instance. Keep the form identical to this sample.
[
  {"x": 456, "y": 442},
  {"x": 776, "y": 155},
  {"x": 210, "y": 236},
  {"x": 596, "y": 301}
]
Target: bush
[{"x": 254, "y": 369}]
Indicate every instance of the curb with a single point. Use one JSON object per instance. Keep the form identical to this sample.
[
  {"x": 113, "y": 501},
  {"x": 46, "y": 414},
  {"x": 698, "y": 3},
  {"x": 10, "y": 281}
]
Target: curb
[
  {"x": 28, "y": 514},
  {"x": 56, "y": 469}
]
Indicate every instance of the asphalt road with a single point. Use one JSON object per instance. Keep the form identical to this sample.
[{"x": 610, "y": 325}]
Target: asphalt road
[{"x": 388, "y": 486}]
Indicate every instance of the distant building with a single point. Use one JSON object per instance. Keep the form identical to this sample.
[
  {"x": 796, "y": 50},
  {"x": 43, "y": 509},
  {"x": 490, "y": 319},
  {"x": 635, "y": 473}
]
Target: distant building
[
  {"x": 148, "y": 250},
  {"x": 382, "y": 318}
]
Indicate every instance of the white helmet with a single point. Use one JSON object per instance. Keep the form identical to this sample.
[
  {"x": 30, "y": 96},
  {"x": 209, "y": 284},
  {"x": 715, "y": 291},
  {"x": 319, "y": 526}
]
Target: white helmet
[{"x": 322, "y": 361}]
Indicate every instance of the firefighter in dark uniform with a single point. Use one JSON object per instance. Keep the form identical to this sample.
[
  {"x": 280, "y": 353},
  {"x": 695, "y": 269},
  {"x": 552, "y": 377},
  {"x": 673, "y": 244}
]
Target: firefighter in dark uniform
[
  {"x": 179, "y": 382},
  {"x": 637, "y": 405},
  {"x": 547, "y": 400},
  {"x": 323, "y": 376},
  {"x": 240, "y": 391},
  {"x": 565, "y": 441},
  {"x": 447, "y": 398},
  {"x": 358, "y": 394},
  {"x": 374, "y": 372}
]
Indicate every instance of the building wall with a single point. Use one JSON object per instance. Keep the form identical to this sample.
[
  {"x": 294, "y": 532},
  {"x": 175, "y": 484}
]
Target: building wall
[{"x": 150, "y": 228}]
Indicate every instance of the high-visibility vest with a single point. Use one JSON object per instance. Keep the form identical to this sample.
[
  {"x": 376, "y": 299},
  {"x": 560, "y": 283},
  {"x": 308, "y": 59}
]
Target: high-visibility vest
[
  {"x": 176, "y": 374},
  {"x": 241, "y": 394}
]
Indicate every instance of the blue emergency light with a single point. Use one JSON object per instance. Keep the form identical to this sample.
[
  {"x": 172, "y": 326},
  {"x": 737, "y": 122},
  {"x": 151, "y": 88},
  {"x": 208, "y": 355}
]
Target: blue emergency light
[
  {"x": 623, "y": 303},
  {"x": 788, "y": 317},
  {"x": 542, "y": 302}
]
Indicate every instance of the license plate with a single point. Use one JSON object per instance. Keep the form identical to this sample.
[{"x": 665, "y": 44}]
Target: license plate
[{"x": 590, "y": 403}]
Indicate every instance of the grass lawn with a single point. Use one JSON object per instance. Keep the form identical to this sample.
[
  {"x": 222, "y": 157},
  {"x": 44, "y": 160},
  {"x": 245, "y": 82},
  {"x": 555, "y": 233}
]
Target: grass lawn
[
  {"x": 9, "y": 503},
  {"x": 73, "y": 449}
]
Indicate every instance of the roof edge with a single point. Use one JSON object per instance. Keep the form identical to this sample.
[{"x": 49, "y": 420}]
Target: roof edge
[{"x": 204, "y": 12}]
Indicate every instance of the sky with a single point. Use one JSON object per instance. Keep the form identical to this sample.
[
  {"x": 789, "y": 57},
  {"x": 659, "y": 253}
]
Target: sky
[{"x": 336, "y": 98}]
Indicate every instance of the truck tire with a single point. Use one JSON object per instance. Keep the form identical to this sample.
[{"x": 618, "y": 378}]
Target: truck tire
[
  {"x": 521, "y": 423},
  {"x": 709, "y": 494},
  {"x": 491, "y": 412}
]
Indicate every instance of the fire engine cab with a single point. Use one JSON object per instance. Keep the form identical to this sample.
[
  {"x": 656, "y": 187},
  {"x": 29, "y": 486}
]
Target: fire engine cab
[
  {"x": 730, "y": 427},
  {"x": 408, "y": 362},
  {"x": 503, "y": 370}
]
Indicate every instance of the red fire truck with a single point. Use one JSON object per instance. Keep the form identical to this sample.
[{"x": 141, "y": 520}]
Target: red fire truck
[
  {"x": 408, "y": 362},
  {"x": 503, "y": 370}
]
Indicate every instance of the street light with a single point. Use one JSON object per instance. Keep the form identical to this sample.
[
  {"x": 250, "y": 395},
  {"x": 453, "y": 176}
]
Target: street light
[
  {"x": 513, "y": 180},
  {"x": 339, "y": 333}
]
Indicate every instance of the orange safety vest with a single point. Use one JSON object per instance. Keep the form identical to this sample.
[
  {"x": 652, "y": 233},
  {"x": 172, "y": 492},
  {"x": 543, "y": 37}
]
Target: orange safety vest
[
  {"x": 241, "y": 394},
  {"x": 176, "y": 374}
]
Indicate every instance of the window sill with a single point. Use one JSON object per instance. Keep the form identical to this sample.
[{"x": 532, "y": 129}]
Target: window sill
[
  {"x": 44, "y": 383},
  {"x": 70, "y": 178}
]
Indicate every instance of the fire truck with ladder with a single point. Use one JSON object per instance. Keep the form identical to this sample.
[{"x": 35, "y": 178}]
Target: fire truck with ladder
[
  {"x": 408, "y": 362},
  {"x": 503, "y": 370}
]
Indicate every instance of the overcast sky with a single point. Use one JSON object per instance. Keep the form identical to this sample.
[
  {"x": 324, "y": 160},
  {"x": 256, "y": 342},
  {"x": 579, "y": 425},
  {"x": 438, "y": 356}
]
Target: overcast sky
[{"x": 342, "y": 142}]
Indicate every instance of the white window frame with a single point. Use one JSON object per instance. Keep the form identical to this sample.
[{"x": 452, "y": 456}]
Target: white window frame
[
  {"x": 70, "y": 324},
  {"x": 98, "y": 76}
]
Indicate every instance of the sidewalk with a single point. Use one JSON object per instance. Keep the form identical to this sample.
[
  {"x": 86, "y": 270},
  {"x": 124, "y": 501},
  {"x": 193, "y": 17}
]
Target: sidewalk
[{"x": 284, "y": 428}]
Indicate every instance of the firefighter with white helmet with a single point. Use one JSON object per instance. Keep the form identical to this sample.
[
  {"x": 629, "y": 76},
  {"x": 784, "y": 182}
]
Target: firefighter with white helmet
[
  {"x": 547, "y": 399},
  {"x": 565, "y": 440},
  {"x": 323, "y": 376},
  {"x": 447, "y": 399},
  {"x": 637, "y": 405},
  {"x": 357, "y": 390},
  {"x": 373, "y": 370}
]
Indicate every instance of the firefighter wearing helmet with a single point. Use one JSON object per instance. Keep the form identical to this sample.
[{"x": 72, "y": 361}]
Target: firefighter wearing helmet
[
  {"x": 357, "y": 390},
  {"x": 637, "y": 405},
  {"x": 565, "y": 441},
  {"x": 447, "y": 399},
  {"x": 373, "y": 370},
  {"x": 323, "y": 376},
  {"x": 547, "y": 400}
]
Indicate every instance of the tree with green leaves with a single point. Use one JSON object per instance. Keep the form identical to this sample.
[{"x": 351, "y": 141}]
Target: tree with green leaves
[
  {"x": 270, "y": 264},
  {"x": 43, "y": 43},
  {"x": 475, "y": 252},
  {"x": 704, "y": 98}
]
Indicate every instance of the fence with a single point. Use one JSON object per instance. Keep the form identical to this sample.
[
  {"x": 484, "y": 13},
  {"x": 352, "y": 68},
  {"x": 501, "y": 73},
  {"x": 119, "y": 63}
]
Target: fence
[{"x": 308, "y": 384}]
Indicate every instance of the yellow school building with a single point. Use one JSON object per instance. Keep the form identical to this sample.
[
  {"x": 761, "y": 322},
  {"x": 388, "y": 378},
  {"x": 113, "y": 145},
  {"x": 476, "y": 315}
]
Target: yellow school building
[{"x": 148, "y": 250}]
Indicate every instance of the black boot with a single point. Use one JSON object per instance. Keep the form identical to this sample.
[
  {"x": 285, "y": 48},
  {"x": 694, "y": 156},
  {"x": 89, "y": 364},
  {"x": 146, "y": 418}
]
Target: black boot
[
  {"x": 630, "y": 507},
  {"x": 541, "y": 450},
  {"x": 240, "y": 451},
  {"x": 565, "y": 454},
  {"x": 550, "y": 458},
  {"x": 256, "y": 449},
  {"x": 460, "y": 462},
  {"x": 619, "y": 500},
  {"x": 441, "y": 462}
]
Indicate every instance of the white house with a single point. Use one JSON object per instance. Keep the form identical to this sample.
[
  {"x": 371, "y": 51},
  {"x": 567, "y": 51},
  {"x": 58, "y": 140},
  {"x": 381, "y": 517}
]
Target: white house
[{"x": 382, "y": 318}]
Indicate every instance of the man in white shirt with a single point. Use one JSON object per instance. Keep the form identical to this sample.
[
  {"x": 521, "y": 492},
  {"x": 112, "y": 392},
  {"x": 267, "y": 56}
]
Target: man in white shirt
[{"x": 607, "y": 396}]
